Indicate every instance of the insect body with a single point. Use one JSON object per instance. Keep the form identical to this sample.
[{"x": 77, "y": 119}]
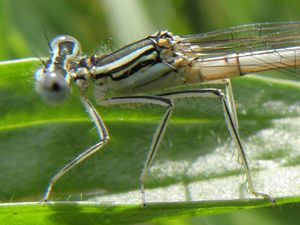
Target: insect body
[{"x": 133, "y": 73}]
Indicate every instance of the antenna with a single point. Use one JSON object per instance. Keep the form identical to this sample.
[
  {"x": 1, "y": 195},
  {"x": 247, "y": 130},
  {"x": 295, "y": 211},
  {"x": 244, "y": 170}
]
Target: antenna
[{"x": 47, "y": 38}]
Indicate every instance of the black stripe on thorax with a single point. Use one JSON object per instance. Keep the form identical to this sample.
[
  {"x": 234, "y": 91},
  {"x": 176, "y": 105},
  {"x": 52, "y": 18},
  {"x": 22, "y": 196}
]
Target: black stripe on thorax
[
  {"x": 130, "y": 67},
  {"x": 116, "y": 55},
  {"x": 137, "y": 59},
  {"x": 134, "y": 69}
]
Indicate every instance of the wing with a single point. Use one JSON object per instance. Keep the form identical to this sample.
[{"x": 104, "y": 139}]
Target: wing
[{"x": 241, "y": 39}]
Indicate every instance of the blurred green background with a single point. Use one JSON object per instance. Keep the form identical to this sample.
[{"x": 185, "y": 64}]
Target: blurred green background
[{"x": 113, "y": 23}]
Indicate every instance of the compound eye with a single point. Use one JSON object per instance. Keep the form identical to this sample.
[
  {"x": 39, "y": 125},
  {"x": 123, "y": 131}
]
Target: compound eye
[
  {"x": 66, "y": 46},
  {"x": 52, "y": 86}
]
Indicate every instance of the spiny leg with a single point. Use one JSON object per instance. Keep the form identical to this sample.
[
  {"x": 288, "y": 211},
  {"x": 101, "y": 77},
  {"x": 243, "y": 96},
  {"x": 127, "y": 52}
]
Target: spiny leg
[
  {"x": 103, "y": 135},
  {"x": 159, "y": 133},
  {"x": 163, "y": 100},
  {"x": 231, "y": 125},
  {"x": 229, "y": 96},
  {"x": 233, "y": 130},
  {"x": 230, "y": 100}
]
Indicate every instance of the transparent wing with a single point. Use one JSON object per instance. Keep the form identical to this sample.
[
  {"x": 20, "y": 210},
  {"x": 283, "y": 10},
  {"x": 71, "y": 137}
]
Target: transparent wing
[{"x": 240, "y": 39}]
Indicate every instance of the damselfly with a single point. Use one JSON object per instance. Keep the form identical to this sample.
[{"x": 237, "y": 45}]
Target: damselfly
[{"x": 135, "y": 72}]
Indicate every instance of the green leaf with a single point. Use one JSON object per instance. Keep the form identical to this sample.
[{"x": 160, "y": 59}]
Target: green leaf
[
  {"x": 93, "y": 213},
  {"x": 195, "y": 167}
]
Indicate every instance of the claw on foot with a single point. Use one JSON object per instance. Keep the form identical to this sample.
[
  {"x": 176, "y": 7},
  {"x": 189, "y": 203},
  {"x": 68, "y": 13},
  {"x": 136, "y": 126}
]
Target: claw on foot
[
  {"x": 143, "y": 197},
  {"x": 266, "y": 197}
]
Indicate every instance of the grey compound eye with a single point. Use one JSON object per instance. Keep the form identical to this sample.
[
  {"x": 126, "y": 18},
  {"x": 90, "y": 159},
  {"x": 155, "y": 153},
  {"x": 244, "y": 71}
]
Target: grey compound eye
[{"x": 52, "y": 86}]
